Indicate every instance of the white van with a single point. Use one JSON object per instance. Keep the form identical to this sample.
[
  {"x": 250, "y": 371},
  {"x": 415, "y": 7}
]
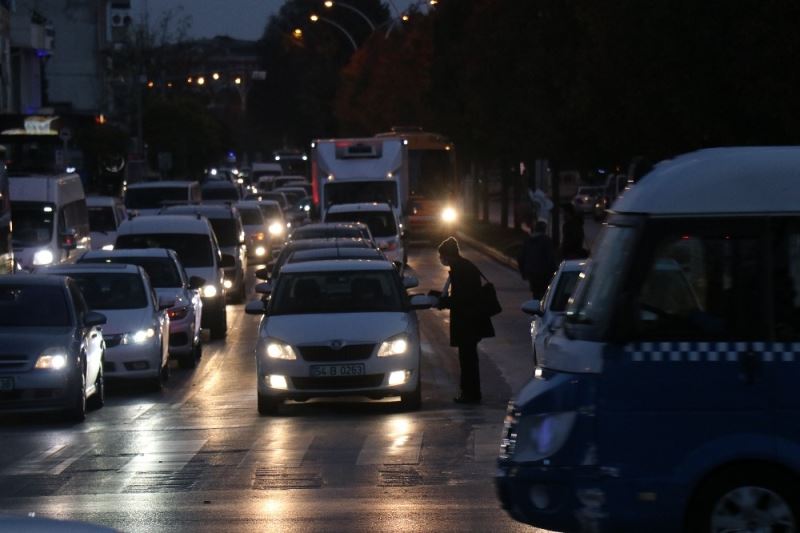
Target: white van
[
  {"x": 382, "y": 223},
  {"x": 106, "y": 213},
  {"x": 50, "y": 219},
  {"x": 147, "y": 198}
]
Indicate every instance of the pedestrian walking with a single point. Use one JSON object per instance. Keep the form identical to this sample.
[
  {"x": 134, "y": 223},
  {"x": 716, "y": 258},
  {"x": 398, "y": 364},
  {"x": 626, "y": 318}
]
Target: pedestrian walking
[
  {"x": 572, "y": 230},
  {"x": 537, "y": 260},
  {"x": 469, "y": 322}
]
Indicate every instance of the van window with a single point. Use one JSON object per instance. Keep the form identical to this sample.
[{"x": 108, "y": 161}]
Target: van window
[
  {"x": 76, "y": 216},
  {"x": 786, "y": 280},
  {"x": 33, "y": 223},
  {"x": 102, "y": 219},
  {"x": 701, "y": 286},
  {"x": 155, "y": 197}
]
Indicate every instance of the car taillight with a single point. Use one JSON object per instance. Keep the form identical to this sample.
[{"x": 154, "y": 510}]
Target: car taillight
[
  {"x": 177, "y": 313},
  {"x": 390, "y": 246}
]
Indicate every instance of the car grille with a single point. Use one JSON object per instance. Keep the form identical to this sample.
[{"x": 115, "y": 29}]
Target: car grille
[
  {"x": 13, "y": 362},
  {"x": 113, "y": 340},
  {"x": 339, "y": 382},
  {"x": 351, "y": 352}
]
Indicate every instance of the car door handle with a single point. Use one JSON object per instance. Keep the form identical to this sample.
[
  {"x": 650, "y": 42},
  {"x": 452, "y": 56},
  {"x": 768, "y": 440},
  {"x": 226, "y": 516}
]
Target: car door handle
[{"x": 749, "y": 366}]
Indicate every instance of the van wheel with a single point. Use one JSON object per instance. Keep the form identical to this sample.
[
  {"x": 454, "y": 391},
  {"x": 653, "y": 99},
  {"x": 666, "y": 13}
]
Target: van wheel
[
  {"x": 268, "y": 406},
  {"x": 98, "y": 399},
  {"x": 755, "y": 498}
]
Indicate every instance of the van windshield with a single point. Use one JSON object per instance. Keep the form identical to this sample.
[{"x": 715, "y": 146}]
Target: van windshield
[
  {"x": 194, "y": 250},
  {"x": 380, "y": 223},
  {"x": 33, "y": 223},
  {"x": 155, "y": 197},
  {"x": 102, "y": 219}
]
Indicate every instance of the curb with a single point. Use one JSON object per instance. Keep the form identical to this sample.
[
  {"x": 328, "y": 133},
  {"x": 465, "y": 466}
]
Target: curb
[{"x": 487, "y": 250}]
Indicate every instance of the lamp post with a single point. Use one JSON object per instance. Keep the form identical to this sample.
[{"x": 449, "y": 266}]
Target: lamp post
[
  {"x": 330, "y": 4},
  {"x": 316, "y": 18}
]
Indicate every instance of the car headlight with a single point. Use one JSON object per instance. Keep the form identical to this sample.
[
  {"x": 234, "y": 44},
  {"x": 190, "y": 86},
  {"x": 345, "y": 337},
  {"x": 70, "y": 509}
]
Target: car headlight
[
  {"x": 394, "y": 346},
  {"x": 276, "y": 229},
  {"x": 139, "y": 337},
  {"x": 261, "y": 251},
  {"x": 276, "y": 349},
  {"x": 209, "y": 291},
  {"x": 43, "y": 257},
  {"x": 227, "y": 284},
  {"x": 540, "y": 436},
  {"x": 449, "y": 215},
  {"x": 52, "y": 360}
]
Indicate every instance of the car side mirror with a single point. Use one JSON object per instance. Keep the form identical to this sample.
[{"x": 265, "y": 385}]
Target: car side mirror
[
  {"x": 263, "y": 273},
  {"x": 409, "y": 282},
  {"x": 263, "y": 288},
  {"x": 196, "y": 283},
  {"x": 69, "y": 239},
  {"x": 532, "y": 307},
  {"x": 256, "y": 307},
  {"x": 422, "y": 301},
  {"x": 228, "y": 261},
  {"x": 165, "y": 302},
  {"x": 93, "y": 318}
]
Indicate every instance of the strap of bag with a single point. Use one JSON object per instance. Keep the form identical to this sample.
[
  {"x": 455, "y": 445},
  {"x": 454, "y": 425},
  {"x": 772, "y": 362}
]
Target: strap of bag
[{"x": 481, "y": 273}]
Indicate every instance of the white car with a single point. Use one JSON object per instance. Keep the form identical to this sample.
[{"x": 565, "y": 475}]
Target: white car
[
  {"x": 170, "y": 280},
  {"x": 148, "y": 197},
  {"x": 382, "y": 222},
  {"x": 256, "y": 229},
  {"x": 136, "y": 332},
  {"x": 106, "y": 213},
  {"x": 192, "y": 237},
  {"x": 338, "y": 328},
  {"x": 546, "y": 312}
]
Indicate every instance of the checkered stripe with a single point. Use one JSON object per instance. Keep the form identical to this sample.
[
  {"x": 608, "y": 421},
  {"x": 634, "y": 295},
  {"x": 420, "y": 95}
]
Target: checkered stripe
[{"x": 711, "y": 352}]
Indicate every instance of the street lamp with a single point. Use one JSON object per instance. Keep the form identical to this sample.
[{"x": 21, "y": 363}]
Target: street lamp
[
  {"x": 330, "y": 3},
  {"x": 201, "y": 80},
  {"x": 298, "y": 33},
  {"x": 215, "y": 76},
  {"x": 316, "y": 18}
]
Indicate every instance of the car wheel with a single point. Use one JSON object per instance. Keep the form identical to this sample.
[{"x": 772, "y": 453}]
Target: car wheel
[
  {"x": 268, "y": 406},
  {"x": 412, "y": 401},
  {"x": 98, "y": 399},
  {"x": 219, "y": 325},
  {"x": 757, "y": 498},
  {"x": 77, "y": 413},
  {"x": 198, "y": 351}
]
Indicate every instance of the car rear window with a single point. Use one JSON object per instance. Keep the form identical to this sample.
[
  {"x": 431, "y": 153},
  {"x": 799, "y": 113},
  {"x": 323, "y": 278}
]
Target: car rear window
[
  {"x": 112, "y": 291},
  {"x": 33, "y": 306},
  {"x": 193, "y": 249}
]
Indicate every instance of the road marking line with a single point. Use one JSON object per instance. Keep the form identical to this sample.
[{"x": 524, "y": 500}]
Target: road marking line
[
  {"x": 486, "y": 441},
  {"x": 33, "y": 463},
  {"x": 391, "y": 450},
  {"x": 164, "y": 456},
  {"x": 63, "y": 465}
]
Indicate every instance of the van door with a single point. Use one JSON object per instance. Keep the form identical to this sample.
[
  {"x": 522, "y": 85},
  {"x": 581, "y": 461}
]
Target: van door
[{"x": 690, "y": 370}]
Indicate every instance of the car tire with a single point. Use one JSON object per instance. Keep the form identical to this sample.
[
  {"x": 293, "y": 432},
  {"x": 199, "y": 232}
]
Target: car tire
[
  {"x": 77, "y": 413},
  {"x": 219, "y": 325},
  {"x": 412, "y": 401},
  {"x": 241, "y": 294},
  {"x": 98, "y": 399},
  {"x": 188, "y": 360},
  {"x": 766, "y": 483},
  {"x": 268, "y": 406}
]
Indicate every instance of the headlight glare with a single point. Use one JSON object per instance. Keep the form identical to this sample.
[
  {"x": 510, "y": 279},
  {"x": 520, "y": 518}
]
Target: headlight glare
[
  {"x": 139, "y": 337},
  {"x": 209, "y": 291},
  {"x": 276, "y": 229},
  {"x": 261, "y": 251},
  {"x": 449, "y": 215},
  {"x": 280, "y": 350},
  {"x": 108, "y": 247},
  {"x": 54, "y": 361},
  {"x": 395, "y": 346},
  {"x": 43, "y": 257}
]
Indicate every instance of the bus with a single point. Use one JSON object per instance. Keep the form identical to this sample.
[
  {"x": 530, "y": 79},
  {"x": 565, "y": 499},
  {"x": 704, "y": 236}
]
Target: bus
[{"x": 433, "y": 181}]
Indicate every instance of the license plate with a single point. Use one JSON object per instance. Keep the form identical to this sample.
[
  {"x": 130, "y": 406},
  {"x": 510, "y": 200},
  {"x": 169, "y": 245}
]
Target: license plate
[
  {"x": 330, "y": 371},
  {"x": 6, "y": 384}
]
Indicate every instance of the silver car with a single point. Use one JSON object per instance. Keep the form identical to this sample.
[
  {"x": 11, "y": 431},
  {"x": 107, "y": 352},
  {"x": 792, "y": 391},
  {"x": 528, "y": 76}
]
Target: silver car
[{"x": 51, "y": 347}]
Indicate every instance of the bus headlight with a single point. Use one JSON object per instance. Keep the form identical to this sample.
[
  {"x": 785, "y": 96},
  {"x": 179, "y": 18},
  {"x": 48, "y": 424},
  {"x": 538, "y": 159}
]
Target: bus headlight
[
  {"x": 43, "y": 257},
  {"x": 449, "y": 215}
]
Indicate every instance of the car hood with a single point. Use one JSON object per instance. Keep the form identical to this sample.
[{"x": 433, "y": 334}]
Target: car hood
[
  {"x": 31, "y": 342},
  {"x": 350, "y": 328},
  {"x": 127, "y": 320}
]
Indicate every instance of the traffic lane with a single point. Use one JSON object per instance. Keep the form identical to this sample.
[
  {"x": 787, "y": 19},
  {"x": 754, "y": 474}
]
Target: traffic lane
[{"x": 201, "y": 440}]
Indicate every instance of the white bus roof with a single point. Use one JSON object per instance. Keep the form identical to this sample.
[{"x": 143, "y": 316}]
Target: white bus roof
[{"x": 745, "y": 180}]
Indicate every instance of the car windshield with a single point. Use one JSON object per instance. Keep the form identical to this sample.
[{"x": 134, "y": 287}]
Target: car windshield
[
  {"x": 155, "y": 197},
  {"x": 251, "y": 216},
  {"x": 380, "y": 223},
  {"x": 220, "y": 193},
  {"x": 111, "y": 291},
  {"x": 277, "y": 197},
  {"x": 336, "y": 292},
  {"x": 226, "y": 231},
  {"x": 33, "y": 223},
  {"x": 325, "y": 233},
  {"x": 270, "y": 212},
  {"x": 563, "y": 290},
  {"x": 33, "y": 306},
  {"x": 162, "y": 271},
  {"x": 102, "y": 219},
  {"x": 193, "y": 249}
]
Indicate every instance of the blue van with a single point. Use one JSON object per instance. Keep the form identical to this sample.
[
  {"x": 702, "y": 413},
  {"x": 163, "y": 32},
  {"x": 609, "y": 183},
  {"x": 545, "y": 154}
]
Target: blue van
[{"x": 669, "y": 400}]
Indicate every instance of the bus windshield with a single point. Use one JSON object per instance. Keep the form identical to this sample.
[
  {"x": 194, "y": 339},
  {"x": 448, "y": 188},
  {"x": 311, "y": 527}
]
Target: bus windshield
[
  {"x": 430, "y": 172},
  {"x": 347, "y": 192}
]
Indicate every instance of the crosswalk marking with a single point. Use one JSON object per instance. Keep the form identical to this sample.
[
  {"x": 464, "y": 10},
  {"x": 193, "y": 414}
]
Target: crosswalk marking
[
  {"x": 486, "y": 442},
  {"x": 398, "y": 449},
  {"x": 164, "y": 456},
  {"x": 37, "y": 462},
  {"x": 278, "y": 448}
]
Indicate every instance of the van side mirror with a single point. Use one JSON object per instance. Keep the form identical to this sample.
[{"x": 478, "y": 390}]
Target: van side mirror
[
  {"x": 228, "y": 261},
  {"x": 69, "y": 239},
  {"x": 263, "y": 273},
  {"x": 196, "y": 283},
  {"x": 409, "y": 282},
  {"x": 256, "y": 307},
  {"x": 263, "y": 288},
  {"x": 532, "y": 307},
  {"x": 93, "y": 318},
  {"x": 422, "y": 301}
]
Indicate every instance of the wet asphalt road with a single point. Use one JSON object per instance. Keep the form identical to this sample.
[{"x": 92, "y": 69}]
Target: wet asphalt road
[{"x": 197, "y": 457}]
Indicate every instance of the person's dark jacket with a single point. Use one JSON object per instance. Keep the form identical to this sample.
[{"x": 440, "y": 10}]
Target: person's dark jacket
[
  {"x": 469, "y": 323},
  {"x": 537, "y": 259}
]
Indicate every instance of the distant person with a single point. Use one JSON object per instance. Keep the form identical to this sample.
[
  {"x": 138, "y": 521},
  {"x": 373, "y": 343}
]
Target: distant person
[
  {"x": 468, "y": 321},
  {"x": 537, "y": 260},
  {"x": 572, "y": 234}
]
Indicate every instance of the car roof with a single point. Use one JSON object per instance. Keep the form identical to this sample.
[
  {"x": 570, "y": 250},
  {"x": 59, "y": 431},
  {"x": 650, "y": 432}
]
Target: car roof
[
  {"x": 337, "y": 265},
  {"x": 129, "y": 252},
  {"x": 332, "y": 242},
  {"x": 33, "y": 279},
  {"x": 67, "y": 269},
  {"x": 168, "y": 224},
  {"x": 317, "y": 254},
  {"x": 206, "y": 210},
  {"x": 160, "y": 184},
  {"x": 331, "y": 225},
  {"x": 365, "y": 206},
  {"x": 723, "y": 181},
  {"x": 249, "y": 204},
  {"x": 102, "y": 201},
  {"x": 267, "y": 202}
]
